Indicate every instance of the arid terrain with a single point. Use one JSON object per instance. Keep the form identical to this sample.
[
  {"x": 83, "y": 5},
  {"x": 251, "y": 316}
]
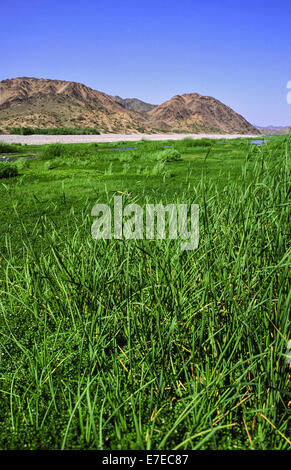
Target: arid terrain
[
  {"x": 44, "y": 103},
  {"x": 274, "y": 130},
  {"x": 73, "y": 139}
]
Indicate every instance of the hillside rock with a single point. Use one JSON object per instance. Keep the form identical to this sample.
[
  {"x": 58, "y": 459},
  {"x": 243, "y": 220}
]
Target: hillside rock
[
  {"x": 33, "y": 102},
  {"x": 194, "y": 112}
]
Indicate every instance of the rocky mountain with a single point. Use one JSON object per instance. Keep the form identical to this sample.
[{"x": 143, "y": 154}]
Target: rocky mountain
[
  {"x": 32, "y": 102},
  {"x": 274, "y": 130},
  {"x": 134, "y": 104},
  {"x": 195, "y": 113}
]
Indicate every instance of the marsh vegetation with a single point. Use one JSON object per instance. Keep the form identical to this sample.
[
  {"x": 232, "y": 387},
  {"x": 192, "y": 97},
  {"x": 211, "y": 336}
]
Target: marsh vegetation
[{"x": 136, "y": 344}]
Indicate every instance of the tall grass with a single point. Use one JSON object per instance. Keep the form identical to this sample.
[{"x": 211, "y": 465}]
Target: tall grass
[
  {"x": 8, "y": 171},
  {"x": 138, "y": 345},
  {"x": 9, "y": 148},
  {"x": 52, "y": 151}
]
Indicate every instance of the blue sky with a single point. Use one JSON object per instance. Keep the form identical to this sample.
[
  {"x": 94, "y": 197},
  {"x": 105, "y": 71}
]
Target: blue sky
[{"x": 236, "y": 51}]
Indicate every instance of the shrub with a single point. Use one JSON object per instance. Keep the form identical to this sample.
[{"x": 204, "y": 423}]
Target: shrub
[
  {"x": 169, "y": 155},
  {"x": 149, "y": 145},
  {"x": 52, "y": 151},
  {"x": 54, "y": 130},
  {"x": 128, "y": 156},
  {"x": 49, "y": 165},
  {"x": 57, "y": 163},
  {"x": 8, "y": 148},
  {"x": 7, "y": 171},
  {"x": 21, "y": 131},
  {"x": 21, "y": 164},
  {"x": 190, "y": 143}
]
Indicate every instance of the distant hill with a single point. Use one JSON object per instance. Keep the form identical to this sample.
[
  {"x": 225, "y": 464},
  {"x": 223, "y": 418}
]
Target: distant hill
[
  {"x": 37, "y": 102},
  {"x": 195, "y": 113},
  {"x": 134, "y": 104},
  {"x": 274, "y": 130}
]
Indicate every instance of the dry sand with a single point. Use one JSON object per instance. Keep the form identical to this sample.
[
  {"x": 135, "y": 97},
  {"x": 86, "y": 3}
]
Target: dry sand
[{"x": 71, "y": 139}]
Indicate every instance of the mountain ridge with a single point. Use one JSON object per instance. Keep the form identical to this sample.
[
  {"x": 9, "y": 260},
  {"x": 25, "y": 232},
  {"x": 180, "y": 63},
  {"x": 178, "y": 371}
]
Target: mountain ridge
[
  {"x": 134, "y": 104},
  {"x": 42, "y": 102},
  {"x": 274, "y": 130}
]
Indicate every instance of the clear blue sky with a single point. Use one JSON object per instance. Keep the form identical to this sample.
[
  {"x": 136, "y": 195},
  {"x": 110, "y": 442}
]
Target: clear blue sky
[{"x": 236, "y": 51}]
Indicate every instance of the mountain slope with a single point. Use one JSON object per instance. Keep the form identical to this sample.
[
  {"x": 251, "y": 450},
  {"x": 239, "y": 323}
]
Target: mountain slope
[
  {"x": 32, "y": 102},
  {"x": 195, "y": 112},
  {"x": 275, "y": 130},
  {"x": 54, "y": 103},
  {"x": 134, "y": 104}
]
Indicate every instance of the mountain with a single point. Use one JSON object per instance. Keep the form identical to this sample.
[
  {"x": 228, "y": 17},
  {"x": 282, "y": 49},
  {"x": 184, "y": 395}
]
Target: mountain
[
  {"x": 269, "y": 127},
  {"x": 41, "y": 102},
  {"x": 38, "y": 102},
  {"x": 195, "y": 113},
  {"x": 134, "y": 104},
  {"x": 275, "y": 130}
]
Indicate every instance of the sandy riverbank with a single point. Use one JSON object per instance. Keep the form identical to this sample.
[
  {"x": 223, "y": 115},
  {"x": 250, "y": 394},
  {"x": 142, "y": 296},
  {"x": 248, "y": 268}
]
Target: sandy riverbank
[{"x": 71, "y": 139}]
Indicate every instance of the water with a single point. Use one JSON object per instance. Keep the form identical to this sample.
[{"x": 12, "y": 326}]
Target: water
[
  {"x": 259, "y": 142},
  {"x": 13, "y": 159}
]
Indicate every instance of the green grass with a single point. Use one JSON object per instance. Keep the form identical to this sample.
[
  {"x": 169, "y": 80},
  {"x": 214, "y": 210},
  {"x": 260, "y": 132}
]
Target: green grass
[
  {"x": 8, "y": 171},
  {"x": 9, "y": 148},
  {"x": 137, "y": 344}
]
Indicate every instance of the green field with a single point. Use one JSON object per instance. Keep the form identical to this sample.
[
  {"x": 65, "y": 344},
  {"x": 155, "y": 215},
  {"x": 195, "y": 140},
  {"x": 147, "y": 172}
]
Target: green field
[{"x": 135, "y": 344}]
